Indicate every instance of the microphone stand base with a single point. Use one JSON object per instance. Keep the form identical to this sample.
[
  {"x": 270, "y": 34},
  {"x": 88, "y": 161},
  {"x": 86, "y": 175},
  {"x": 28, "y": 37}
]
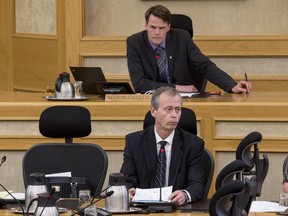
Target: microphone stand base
[{"x": 157, "y": 207}]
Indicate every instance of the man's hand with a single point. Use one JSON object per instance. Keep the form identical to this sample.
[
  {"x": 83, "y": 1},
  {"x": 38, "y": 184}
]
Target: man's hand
[
  {"x": 242, "y": 87},
  {"x": 178, "y": 197},
  {"x": 132, "y": 192},
  {"x": 186, "y": 88}
]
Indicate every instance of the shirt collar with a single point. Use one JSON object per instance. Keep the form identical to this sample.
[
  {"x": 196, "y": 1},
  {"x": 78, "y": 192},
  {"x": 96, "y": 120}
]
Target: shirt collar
[
  {"x": 169, "y": 139},
  {"x": 163, "y": 45}
]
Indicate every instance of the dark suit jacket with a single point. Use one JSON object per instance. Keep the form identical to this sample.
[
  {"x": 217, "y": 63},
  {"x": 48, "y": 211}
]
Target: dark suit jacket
[
  {"x": 186, "y": 169},
  {"x": 182, "y": 54}
]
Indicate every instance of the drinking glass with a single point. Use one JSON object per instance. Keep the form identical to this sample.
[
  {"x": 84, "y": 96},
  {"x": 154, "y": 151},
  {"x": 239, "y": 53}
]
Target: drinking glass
[
  {"x": 84, "y": 198},
  {"x": 78, "y": 89},
  {"x": 283, "y": 202},
  {"x": 90, "y": 211}
]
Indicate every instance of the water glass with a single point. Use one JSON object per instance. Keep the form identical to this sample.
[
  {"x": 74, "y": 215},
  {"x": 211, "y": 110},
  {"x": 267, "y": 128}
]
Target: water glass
[
  {"x": 90, "y": 211},
  {"x": 78, "y": 89},
  {"x": 283, "y": 202},
  {"x": 84, "y": 198}
]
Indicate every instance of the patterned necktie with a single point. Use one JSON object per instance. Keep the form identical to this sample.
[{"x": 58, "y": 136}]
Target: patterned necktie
[
  {"x": 161, "y": 166},
  {"x": 161, "y": 62}
]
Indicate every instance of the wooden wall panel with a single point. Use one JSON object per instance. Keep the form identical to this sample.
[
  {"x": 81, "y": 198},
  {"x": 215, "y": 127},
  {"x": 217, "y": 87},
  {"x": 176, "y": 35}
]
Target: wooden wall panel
[
  {"x": 6, "y": 64},
  {"x": 35, "y": 63}
]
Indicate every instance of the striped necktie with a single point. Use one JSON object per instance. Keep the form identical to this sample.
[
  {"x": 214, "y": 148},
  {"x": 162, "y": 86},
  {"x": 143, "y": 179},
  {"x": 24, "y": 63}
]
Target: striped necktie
[
  {"x": 161, "y": 166},
  {"x": 161, "y": 62}
]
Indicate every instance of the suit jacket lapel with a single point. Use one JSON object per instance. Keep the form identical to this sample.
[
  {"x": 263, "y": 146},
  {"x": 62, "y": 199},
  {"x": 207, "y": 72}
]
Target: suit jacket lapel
[
  {"x": 152, "y": 57},
  {"x": 150, "y": 152},
  {"x": 170, "y": 54},
  {"x": 176, "y": 157}
]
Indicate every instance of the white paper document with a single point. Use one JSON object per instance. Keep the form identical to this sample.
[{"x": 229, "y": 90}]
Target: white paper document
[
  {"x": 188, "y": 94},
  {"x": 152, "y": 194},
  {"x": 62, "y": 174},
  {"x": 266, "y": 206}
]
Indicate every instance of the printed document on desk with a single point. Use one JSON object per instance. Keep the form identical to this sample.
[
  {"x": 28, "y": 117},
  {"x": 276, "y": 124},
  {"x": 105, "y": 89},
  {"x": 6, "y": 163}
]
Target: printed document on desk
[
  {"x": 188, "y": 94},
  {"x": 152, "y": 194}
]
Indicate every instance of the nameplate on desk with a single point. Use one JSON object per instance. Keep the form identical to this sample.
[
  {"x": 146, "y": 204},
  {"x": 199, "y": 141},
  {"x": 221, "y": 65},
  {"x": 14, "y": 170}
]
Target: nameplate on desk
[{"x": 128, "y": 97}]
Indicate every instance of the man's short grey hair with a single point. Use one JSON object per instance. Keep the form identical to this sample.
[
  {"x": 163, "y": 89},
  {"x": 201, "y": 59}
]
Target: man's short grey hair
[{"x": 164, "y": 89}]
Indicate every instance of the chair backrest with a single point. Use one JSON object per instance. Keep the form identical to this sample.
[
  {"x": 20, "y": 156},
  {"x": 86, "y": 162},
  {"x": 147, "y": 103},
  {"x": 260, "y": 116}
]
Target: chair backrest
[
  {"x": 184, "y": 22},
  {"x": 232, "y": 171},
  {"x": 224, "y": 202},
  {"x": 82, "y": 160},
  {"x": 249, "y": 195},
  {"x": 188, "y": 122},
  {"x": 209, "y": 165}
]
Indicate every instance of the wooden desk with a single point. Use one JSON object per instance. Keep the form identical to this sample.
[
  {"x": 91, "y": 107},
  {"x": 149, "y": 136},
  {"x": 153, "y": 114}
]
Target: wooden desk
[
  {"x": 222, "y": 122},
  {"x": 4, "y": 212},
  {"x": 243, "y": 112}
]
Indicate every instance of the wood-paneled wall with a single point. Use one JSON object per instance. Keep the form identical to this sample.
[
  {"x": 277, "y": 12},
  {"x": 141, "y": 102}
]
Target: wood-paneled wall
[{"x": 32, "y": 62}]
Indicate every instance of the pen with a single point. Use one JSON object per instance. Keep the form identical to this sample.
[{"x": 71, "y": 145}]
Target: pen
[{"x": 246, "y": 79}]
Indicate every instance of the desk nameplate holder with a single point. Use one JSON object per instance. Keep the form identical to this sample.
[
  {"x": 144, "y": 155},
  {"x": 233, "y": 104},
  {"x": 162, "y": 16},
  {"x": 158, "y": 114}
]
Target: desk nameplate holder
[{"x": 128, "y": 97}]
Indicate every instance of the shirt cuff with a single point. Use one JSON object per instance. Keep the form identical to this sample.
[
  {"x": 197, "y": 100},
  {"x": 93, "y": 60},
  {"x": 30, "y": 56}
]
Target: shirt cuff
[{"x": 187, "y": 196}]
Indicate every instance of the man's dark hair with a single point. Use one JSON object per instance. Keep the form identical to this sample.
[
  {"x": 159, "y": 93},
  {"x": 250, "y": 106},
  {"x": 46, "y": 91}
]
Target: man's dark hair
[{"x": 158, "y": 11}]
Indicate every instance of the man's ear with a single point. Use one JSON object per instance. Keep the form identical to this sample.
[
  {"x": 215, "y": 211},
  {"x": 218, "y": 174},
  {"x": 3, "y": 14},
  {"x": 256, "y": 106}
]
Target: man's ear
[{"x": 153, "y": 111}]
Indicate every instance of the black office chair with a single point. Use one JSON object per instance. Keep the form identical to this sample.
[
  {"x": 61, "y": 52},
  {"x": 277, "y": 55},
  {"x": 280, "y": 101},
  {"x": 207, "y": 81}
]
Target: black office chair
[
  {"x": 254, "y": 166},
  {"x": 224, "y": 202},
  {"x": 188, "y": 122},
  {"x": 85, "y": 161},
  {"x": 184, "y": 22},
  {"x": 232, "y": 171}
]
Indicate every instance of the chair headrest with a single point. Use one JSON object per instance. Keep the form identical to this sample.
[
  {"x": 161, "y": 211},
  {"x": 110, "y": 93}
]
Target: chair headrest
[
  {"x": 187, "y": 120},
  {"x": 181, "y": 21},
  {"x": 243, "y": 151},
  {"x": 65, "y": 121},
  {"x": 228, "y": 173}
]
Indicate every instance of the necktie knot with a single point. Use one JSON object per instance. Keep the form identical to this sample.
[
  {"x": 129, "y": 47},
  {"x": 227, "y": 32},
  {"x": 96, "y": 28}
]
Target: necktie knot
[
  {"x": 162, "y": 143},
  {"x": 159, "y": 51}
]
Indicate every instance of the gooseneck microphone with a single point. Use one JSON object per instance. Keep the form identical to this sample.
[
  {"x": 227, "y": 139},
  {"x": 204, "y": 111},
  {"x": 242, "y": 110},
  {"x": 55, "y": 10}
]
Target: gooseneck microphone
[
  {"x": 108, "y": 194},
  {"x": 3, "y": 161},
  {"x": 155, "y": 72},
  {"x": 14, "y": 199}
]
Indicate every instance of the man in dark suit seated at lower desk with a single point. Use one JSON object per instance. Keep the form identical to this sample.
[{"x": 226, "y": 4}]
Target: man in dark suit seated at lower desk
[{"x": 183, "y": 152}]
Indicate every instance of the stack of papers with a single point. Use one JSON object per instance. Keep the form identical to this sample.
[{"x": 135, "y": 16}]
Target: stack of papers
[{"x": 152, "y": 195}]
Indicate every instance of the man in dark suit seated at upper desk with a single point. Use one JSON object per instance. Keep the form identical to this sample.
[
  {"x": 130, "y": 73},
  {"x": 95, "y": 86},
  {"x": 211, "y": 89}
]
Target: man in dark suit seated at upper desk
[
  {"x": 183, "y": 152},
  {"x": 160, "y": 56}
]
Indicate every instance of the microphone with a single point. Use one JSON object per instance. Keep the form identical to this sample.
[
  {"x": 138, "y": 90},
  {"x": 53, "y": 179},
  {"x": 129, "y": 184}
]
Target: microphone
[
  {"x": 14, "y": 199},
  {"x": 2, "y": 160},
  {"x": 161, "y": 176},
  {"x": 108, "y": 194},
  {"x": 154, "y": 77}
]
